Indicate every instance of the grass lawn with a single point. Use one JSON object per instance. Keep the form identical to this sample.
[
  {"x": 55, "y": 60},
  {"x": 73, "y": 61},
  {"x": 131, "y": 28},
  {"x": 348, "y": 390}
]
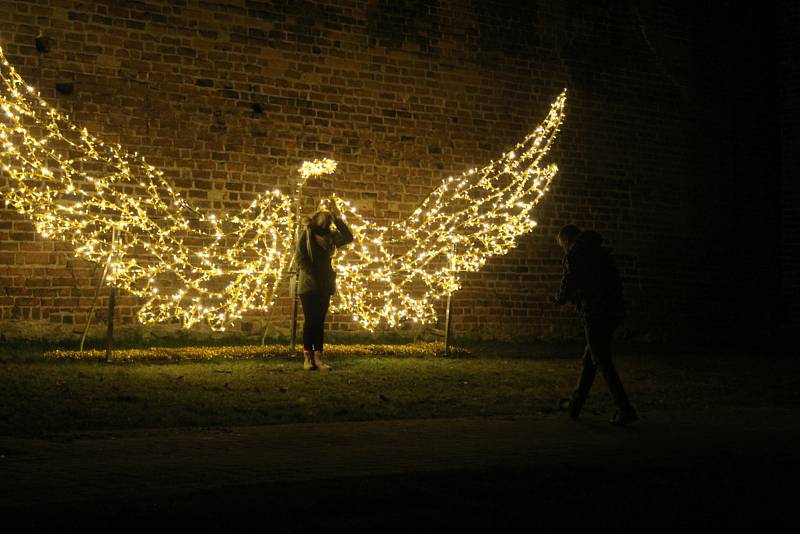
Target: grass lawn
[{"x": 39, "y": 396}]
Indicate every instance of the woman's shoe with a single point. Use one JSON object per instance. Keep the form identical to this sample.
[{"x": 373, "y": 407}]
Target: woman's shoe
[
  {"x": 318, "y": 361},
  {"x": 308, "y": 360}
]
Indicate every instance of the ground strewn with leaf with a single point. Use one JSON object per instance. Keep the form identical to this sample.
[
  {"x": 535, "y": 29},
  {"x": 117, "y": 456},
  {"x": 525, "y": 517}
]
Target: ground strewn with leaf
[
  {"x": 249, "y": 352},
  {"x": 41, "y": 396}
]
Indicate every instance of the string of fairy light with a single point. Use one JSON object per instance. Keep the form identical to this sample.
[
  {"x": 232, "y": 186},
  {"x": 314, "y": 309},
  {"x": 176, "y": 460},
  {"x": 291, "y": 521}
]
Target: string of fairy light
[
  {"x": 397, "y": 273},
  {"x": 185, "y": 263},
  {"x": 193, "y": 266}
]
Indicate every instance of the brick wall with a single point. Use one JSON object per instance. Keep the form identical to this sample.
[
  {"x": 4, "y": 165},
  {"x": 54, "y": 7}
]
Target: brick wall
[{"x": 228, "y": 97}]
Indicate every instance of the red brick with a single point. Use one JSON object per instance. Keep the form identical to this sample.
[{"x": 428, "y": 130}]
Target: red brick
[{"x": 401, "y": 108}]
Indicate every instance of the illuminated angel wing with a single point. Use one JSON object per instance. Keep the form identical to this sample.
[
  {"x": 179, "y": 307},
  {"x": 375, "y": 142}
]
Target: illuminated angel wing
[
  {"x": 394, "y": 274},
  {"x": 114, "y": 207}
]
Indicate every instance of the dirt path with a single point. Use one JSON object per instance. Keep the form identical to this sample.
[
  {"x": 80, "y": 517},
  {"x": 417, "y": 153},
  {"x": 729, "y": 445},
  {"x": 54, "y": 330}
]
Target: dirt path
[{"x": 76, "y": 471}]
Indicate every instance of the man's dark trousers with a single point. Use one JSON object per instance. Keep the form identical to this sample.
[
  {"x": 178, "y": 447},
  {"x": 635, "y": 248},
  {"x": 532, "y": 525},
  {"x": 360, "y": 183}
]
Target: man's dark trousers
[{"x": 599, "y": 335}]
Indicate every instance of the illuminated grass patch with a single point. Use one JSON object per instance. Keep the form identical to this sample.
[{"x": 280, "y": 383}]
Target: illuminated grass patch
[{"x": 249, "y": 352}]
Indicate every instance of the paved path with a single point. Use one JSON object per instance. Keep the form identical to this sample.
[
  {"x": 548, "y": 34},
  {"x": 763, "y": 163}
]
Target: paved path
[{"x": 77, "y": 468}]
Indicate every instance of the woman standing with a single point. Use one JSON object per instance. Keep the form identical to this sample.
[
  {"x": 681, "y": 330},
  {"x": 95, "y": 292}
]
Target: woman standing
[{"x": 321, "y": 235}]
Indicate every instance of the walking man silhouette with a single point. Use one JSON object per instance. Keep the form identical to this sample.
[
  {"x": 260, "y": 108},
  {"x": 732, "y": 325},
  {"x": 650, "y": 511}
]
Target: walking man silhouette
[{"x": 591, "y": 282}]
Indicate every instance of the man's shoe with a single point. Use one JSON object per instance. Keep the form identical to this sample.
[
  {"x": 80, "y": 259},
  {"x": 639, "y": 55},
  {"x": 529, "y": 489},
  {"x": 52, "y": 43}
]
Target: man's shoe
[
  {"x": 624, "y": 417},
  {"x": 570, "y": 406}
]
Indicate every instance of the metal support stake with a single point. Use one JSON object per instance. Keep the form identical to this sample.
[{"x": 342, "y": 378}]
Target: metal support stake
[
  {"x": 94, "y": 304},
  {"x": 295, "y": 269},
  {"x": 294, "y": 311},
  {"x": 97, "y": 290},
  {"x": 449, "y": 311},
  {"x": 292, "y": 282},
  {"x": 112, "y": 303},
  {"x": 264, "y": 335},
  {"x": 266, "y": 325}
]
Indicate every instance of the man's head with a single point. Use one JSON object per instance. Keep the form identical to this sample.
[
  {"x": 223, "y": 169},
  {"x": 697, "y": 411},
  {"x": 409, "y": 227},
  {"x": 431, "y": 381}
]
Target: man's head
[{"x": 566, "y": 236}]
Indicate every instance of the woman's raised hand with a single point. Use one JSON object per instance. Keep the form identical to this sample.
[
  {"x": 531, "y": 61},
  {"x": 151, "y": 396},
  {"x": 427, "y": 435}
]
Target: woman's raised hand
[{"x": 333, "y": 207}]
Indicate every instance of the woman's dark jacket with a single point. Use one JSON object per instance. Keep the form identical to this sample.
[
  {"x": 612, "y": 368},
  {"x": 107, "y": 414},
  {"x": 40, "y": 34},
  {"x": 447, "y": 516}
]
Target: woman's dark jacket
[
  {"x": 591, "y": 280},
  {"x": 313, "y": 257}
]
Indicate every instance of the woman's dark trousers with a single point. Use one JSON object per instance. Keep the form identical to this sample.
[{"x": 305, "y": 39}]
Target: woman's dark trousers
[
  {"x": 599, "y": 335},
  {"x": 315, "y": 308}
]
